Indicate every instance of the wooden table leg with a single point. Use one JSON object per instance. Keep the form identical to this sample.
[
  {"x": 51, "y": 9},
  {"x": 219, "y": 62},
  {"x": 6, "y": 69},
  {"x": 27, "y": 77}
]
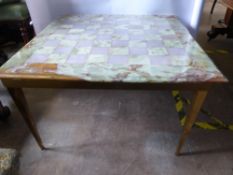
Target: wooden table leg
[
  {"x": 194, "y": 109},
  {"x": 21, "y": 103}
]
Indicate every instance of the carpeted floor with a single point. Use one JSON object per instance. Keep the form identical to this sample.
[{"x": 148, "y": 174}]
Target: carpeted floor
[{"x": 124, "y": 132}]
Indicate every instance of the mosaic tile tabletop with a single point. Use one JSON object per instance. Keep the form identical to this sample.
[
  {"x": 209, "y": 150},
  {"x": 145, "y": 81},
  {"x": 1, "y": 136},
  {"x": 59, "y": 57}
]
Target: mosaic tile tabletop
[{"x": 153, "y": 49}]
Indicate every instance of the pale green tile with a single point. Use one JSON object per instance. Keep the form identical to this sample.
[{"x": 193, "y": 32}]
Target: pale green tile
[{"x": 160, "y": 51}]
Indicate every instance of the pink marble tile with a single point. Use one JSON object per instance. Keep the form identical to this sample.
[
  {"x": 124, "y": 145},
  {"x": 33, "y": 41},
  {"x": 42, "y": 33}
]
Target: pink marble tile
[
  {"x": 138, "y": 51},
  {"x": 63, "y": 50},
  {"x": 118, "y": 60},
  {"x": 170, "y": 37},
  {"x": 155, "y": 43},
  {"x": 137, "y": 37},
  {"x": 160, "y": 60},
  {"x": 104, "y": 37},
  {"x": 176, "y": 51},
  {"x": 77, "y": 59},
  {"x": 37, "y": 58},
  {"x": 99, "y": 50},
  {"x": 85, "y": 43},
  {"x": 119, "y": 43}
]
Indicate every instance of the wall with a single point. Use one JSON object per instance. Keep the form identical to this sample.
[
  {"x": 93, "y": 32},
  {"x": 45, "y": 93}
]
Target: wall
[
  {"x": 40, "y": 13},
  {"x": 44, "y": 11}
]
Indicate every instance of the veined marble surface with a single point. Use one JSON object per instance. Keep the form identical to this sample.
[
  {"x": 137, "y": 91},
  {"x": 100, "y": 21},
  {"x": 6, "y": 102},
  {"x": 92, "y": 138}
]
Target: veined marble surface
[{"x": 115, "y": 48}]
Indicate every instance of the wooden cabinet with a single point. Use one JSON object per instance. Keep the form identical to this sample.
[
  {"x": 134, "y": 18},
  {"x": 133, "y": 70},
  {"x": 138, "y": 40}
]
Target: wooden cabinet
[{"x": 224, "y": 27}]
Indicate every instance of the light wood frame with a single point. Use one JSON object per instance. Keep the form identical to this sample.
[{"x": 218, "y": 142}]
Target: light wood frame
[{"x": 15, "y": 86}]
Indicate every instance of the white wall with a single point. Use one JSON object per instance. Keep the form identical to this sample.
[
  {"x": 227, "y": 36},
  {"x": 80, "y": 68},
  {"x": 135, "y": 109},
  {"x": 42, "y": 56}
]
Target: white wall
[
  {"x": 44, "y": 11},
  {"x": 40, "y": 13}
]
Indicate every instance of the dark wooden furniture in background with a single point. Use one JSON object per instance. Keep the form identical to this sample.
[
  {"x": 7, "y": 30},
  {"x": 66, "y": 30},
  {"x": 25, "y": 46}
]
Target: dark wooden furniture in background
[
  {"x": 16, "y": 29},
  {"x": 213, "y": 6},
  {"x": 15, "y": 21},
  {"x": 225, "y": 26},
  {"x": 4, "y": 110},
  {"x": 14, "y": 26}
]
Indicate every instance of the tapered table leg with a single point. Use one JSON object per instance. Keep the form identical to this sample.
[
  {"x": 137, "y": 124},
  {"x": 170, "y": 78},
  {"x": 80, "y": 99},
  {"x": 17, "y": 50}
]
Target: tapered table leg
[
  {"x": 194, "y": 109},
  {"x": 21, "y": 103}
]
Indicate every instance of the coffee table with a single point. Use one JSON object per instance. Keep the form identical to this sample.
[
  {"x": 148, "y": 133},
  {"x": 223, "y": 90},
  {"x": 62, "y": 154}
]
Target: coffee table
[{"x": 112, "y": 52}]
